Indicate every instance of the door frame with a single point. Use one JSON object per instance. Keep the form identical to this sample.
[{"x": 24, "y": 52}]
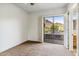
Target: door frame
[{"x": 43, "y": 25}]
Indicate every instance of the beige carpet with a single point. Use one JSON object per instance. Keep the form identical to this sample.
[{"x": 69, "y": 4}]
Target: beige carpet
[{"x": 37, "y": 49}]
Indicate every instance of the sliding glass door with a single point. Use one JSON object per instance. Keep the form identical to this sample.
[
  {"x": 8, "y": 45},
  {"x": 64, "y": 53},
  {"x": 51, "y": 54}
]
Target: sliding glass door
[{"x": 54, "y": 29}]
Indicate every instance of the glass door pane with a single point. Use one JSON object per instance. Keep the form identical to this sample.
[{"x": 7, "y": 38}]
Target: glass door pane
[
  {"x": 59, "y": 24},
  {"x": 48, "y": 21},
  {"x": 59, "y": 29}
]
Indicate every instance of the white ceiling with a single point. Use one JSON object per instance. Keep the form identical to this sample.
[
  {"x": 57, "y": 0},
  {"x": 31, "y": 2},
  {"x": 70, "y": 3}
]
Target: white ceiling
[{"x": 41, "y": 6}]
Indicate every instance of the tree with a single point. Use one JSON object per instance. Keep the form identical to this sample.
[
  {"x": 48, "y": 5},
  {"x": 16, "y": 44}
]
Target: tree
[{"x": 54, "y": 27}]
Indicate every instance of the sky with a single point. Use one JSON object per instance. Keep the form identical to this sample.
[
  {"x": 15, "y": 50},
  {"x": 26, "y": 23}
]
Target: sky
[{"x": 57, "y": 19}]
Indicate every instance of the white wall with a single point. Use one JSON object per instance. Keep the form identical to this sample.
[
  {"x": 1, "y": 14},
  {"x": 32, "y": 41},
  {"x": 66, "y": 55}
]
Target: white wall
[
  {"x": 70, "y": 31},
  {"x": 34, "y": 33},
  {"x": 66, "y": 29},
  {"x": 13, "y": 26}
]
